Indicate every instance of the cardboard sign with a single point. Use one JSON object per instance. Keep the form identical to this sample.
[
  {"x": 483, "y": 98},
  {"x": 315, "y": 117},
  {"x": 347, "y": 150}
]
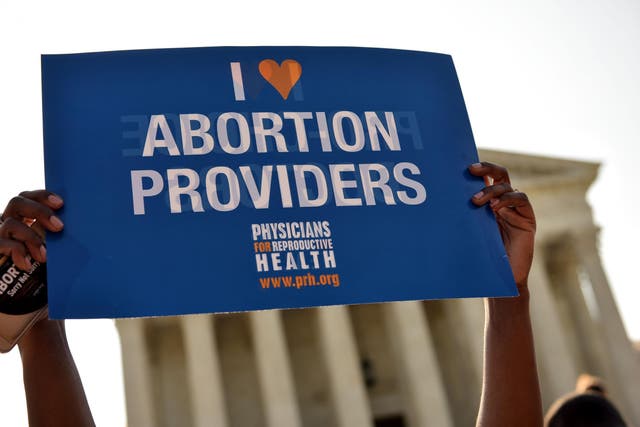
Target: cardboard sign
[{"x": 231, "y": 179}]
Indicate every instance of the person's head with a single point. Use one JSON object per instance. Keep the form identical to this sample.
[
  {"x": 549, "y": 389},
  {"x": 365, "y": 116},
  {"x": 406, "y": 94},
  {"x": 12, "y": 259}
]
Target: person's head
[
  {"x": 587, "y": 409},
  {"x": 591, "y": 383}
]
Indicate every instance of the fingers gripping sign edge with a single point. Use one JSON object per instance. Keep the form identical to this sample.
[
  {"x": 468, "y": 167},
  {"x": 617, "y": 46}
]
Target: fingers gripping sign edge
[
  {"x": 45, "y": 197},
  {"x": 491, "y": 193},
  {"x": 12, "y": 229},
  {"x": 38, "y": 205},
  {"x": 20, "y": 236},
  {"x": 498, "y": 174}
]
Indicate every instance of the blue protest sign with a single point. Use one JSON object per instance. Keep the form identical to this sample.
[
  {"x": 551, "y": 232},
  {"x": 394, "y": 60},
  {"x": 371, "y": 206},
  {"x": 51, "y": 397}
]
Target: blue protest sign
[{"x": 230, "y": 179}]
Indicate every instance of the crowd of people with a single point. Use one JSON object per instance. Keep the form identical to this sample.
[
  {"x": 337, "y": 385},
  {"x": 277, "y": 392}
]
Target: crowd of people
[{"x": 510, "y": 389}]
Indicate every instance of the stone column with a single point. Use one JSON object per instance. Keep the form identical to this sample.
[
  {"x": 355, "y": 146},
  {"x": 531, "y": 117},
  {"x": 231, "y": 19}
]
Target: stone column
[
  {"x": 203, "y": 370},
  {"x": 343, "y": 365},
  {"x": 587, "y": 338},
  {"x": 471, "y": 312},
  {"x": 554, "y": 355},
  {"x": 624, "y": 362},
  {"x": 137, "y": 373},
  {"x": 274, "y": 369},
  {"x": 417, "y": 365}
]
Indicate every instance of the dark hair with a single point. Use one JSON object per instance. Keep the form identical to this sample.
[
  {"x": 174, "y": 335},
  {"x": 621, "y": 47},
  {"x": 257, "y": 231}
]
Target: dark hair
[{"x": 583, "y": 410}]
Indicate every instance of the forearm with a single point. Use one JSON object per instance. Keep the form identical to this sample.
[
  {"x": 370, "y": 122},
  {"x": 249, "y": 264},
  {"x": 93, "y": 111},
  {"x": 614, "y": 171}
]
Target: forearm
[
  {"x": 510, "y": 390},
  {"x": 55, "y": 396}
]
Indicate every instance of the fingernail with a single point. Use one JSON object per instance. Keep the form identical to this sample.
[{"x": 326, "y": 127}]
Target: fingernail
[
  {"x": 55, "y": 221},
  {"x": 27, "y": 263},
  {"x": 478, "y": 195},
  {"x": 43, "y": 252},
  {"x": 55, "y": 200},
  {"x": 476, "y": 165},
  {"x": 493, "y": 202}
]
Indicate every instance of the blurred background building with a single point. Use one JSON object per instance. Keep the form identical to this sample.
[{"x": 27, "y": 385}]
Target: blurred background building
[{"x": 397, "y": 364}]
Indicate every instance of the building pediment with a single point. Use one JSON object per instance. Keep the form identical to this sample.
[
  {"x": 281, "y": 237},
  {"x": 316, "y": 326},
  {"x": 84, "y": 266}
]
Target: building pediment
[{"x": 536, "y": 173}]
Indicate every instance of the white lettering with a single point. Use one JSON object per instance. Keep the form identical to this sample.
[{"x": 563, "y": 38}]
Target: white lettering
[
  {"x": 159, "y": 122},
  {"x": 188, "y": 133},
  {"x": 139, "y": 192}
]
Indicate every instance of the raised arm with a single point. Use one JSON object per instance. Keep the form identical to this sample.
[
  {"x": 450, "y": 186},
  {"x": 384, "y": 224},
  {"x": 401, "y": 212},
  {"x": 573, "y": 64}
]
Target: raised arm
[
  {"x": 510, "y": 388},
  {"x": 55, "y": 396}
]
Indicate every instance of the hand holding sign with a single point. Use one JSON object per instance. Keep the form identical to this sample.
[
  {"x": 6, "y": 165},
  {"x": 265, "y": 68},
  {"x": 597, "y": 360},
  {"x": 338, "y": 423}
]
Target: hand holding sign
[
  {"x": 23, "y": 293},
  {"x": 17, "y": 239},
  {"x": 514, "y": 214},
  {"x": 510, "y": 387}
]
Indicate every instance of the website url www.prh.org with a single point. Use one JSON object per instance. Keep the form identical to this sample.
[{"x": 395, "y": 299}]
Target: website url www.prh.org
[{"x": 300, "y": 281}]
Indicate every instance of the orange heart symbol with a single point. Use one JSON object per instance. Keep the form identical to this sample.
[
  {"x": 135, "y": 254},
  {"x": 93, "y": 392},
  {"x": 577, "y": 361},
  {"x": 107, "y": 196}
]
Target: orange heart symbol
[{"x": 283, "y": 77}]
